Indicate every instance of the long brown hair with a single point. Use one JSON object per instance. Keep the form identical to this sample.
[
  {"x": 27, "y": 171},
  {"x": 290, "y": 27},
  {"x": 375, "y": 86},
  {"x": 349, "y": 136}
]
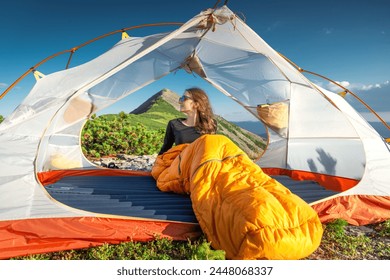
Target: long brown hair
[{"x": 205, "y": 120}]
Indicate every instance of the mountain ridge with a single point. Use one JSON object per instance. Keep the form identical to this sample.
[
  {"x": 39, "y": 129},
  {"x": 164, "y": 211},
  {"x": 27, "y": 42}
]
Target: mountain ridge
[{"x": 166, "y": 94}]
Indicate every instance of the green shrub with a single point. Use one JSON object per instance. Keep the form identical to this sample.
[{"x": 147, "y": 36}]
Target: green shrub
[{"x": 109, "y": 136}]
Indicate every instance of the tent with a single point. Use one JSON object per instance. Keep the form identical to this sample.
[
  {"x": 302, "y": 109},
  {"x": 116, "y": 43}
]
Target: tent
[{"x": 314, "y": 136}]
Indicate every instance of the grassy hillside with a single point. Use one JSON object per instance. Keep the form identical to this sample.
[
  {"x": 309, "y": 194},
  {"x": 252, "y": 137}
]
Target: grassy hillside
[
  {"x": 249, "y": 142},
  {"x": 155, "y": 118}
]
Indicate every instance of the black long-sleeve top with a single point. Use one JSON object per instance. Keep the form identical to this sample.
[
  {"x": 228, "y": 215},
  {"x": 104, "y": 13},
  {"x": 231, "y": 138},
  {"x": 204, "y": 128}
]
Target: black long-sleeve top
[{"x": 178, "y": 133}]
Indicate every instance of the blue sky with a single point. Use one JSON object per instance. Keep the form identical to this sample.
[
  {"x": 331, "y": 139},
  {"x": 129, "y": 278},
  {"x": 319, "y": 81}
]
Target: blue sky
[{"x": 347, "y": 41}]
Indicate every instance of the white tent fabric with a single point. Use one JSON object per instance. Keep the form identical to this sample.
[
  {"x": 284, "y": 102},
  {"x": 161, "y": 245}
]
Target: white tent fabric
[
  {"x": 324, "y": 135},
  {"x": 43, "y": 132}
]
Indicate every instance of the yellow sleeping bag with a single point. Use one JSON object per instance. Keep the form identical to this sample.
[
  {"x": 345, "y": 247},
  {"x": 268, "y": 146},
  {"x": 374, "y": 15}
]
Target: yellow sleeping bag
[{"x": 240, "y": 209}]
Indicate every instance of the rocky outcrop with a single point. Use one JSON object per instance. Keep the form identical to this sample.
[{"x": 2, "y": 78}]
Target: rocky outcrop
[{"x": 166, "y": 94}]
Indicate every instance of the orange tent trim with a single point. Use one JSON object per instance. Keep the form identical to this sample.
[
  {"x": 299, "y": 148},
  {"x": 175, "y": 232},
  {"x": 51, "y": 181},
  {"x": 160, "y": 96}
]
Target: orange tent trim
[
  {"x": 355, "y": 209},
  {"x": 50, "y": 177},
  {"x": 334, "y": 183},
  {"x": 43, "y": 235}
]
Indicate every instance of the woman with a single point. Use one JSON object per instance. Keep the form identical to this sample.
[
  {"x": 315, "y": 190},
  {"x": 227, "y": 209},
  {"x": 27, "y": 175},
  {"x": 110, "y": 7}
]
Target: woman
[
  {"x": 239, "y": 208},
  {"x": 195, "y": 104}
]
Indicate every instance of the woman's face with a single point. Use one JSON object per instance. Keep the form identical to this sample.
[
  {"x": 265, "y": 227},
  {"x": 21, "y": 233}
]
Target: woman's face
[{"x": 187, "y": 104}]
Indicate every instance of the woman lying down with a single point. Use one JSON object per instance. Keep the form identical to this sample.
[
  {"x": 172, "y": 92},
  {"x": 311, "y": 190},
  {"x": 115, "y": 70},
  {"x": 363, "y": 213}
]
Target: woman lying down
[{"x": 240, "y": 209}]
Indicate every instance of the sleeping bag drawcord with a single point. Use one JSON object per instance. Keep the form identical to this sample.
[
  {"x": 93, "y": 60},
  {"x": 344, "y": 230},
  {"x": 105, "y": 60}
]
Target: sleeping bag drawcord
[{"x": 212, "y": 159}]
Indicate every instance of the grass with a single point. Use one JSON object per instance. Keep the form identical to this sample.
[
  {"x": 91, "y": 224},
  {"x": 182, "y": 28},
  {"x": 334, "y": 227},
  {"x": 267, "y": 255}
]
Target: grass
[
  {"x": 158, "y": 249},
  {"x": 340, "y": 242},
  {"x": 345, "y": 242}
]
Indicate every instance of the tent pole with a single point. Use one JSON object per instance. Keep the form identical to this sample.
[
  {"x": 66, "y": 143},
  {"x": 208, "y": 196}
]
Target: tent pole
[{"x": 72, "y": 50}]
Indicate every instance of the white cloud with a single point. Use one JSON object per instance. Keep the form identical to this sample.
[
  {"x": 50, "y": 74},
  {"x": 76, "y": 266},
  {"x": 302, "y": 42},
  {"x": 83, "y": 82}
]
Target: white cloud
[
  {"x": 274, "y": 26},
  {"x": 3, "y": 85},
  {"x": 370, "y": 87},
  {"x": 328, "y": 31},
  {"x": 333, "y": 87},
  {"x": 356, "y": 87}
]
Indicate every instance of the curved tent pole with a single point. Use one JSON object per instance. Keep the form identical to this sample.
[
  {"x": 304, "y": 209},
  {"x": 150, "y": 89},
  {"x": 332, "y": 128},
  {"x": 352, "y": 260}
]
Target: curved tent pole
[
  {"x": 344, "y": 88},
  {"x": 74, "y": 49},
  {"x": 216, "y": 4}
]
